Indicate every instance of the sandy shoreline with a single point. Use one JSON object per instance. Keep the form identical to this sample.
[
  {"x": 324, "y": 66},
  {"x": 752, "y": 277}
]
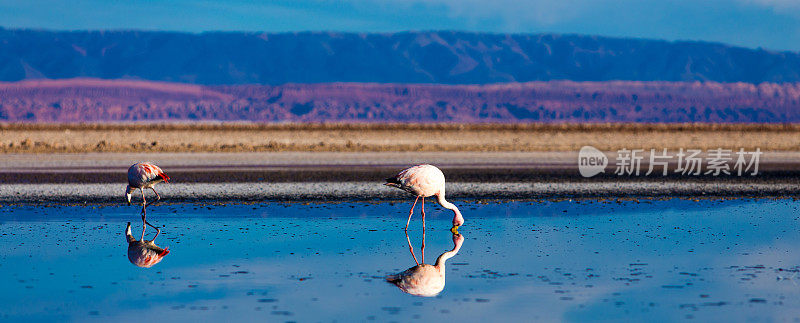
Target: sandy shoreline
[{"x": 328, "y": 176}]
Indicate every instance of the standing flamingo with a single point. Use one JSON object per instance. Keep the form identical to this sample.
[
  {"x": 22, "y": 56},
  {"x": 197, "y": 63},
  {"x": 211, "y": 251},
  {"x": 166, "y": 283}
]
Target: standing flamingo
[
  {"x": 424, "y": 181},
  {"x": 141, "y": 176}
]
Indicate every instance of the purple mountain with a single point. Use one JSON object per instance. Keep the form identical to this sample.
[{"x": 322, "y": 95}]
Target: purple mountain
[{"x": 94, "y": 100}]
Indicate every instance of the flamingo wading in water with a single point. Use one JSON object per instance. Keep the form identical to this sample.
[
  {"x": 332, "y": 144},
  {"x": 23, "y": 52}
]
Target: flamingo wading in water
[
  {"x": 424, "y": 181},
  {"x": 141, "y": 176}
]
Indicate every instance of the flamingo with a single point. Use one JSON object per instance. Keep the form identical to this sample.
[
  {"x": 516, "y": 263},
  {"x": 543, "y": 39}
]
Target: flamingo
[
  {"x": 424, "y": 181},
  {"x": 424, "y": 279},
  {"x": 144, "y": 175},
  {"x": 144, "y": 253}
]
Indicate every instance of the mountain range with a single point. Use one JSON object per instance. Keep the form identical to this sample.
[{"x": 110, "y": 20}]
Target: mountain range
[
  {"x": 441, "y": 57},
  {"x": 120, "y": 76}
]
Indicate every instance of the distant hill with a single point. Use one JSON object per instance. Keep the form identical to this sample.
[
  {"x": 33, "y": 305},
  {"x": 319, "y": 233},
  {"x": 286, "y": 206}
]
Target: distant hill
[
  {"x": 218, "y": 58},
  {"x": 94, "y": 100}
]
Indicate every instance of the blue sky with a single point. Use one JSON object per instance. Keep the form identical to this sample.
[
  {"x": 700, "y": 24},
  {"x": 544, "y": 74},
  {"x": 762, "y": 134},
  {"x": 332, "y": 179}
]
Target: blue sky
[{"x": 771, "y": 24}]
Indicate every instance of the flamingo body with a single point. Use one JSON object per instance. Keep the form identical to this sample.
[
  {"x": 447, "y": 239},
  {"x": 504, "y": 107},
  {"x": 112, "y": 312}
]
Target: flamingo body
[
  {"x": 420, "y": 180},
  {"x": 421, "y": 280},
  {"x": 145, "y": 175},
  {"x": 424, "y": 181}
]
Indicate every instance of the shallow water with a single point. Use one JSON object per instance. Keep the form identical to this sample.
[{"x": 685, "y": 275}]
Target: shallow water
[{"x": 569, "y": 260}]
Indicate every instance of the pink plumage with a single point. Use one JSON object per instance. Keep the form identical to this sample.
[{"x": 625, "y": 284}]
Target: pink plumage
[
  {"x": 424, "y": 181},
  {"x": 421, "y": 180},
  {"x": 145, "y": 175}
]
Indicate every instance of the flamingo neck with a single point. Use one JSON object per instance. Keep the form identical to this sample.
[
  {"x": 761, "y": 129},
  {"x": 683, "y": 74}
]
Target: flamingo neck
[
  {"x": 440, "y": 262},
  {"x": 444, "y": 257},
  {"x": 450, "y": 206}
]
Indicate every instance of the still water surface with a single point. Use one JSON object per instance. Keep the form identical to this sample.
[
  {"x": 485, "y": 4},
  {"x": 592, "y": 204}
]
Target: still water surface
[{"x": 569, "y": 260}]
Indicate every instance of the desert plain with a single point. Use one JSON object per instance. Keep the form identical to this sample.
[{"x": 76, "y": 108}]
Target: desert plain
[{"x": 365, "y": 137}]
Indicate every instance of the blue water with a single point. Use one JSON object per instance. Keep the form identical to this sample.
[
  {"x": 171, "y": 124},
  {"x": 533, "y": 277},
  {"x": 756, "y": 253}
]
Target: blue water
[{"x": 570, "y": 260}]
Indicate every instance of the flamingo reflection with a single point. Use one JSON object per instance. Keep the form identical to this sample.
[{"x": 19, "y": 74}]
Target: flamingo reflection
[
  {"x": 144, "y": 253},
  {"x": 424, "y": 279}
]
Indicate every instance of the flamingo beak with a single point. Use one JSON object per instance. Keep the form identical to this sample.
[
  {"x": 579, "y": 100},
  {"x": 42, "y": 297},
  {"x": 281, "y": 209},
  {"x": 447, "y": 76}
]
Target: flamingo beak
[
  {"x": 129, "y": 198},
  {"x": 454, "y": 229}
]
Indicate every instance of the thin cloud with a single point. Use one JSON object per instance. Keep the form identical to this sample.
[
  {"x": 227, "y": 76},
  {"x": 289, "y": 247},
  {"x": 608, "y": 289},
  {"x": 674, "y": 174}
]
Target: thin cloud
[
  {"x": 512, "y": 13},
  {"x": 780, "y": 7}
]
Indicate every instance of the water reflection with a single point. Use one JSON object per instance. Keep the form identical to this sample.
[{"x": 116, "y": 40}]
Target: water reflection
[
  {"x": 424, "y": 279},
  {"x": 144, "y": 253}
]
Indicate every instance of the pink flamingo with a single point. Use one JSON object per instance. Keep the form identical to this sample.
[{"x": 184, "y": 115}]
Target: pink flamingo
[
  {"x": 141, "y": 176},
  {"x": 424, "y": 181},
  {"x": 144, "y": 253}
]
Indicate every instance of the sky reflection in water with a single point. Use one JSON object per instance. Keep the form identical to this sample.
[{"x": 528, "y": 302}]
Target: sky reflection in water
[{"x": 662, "y": 260}]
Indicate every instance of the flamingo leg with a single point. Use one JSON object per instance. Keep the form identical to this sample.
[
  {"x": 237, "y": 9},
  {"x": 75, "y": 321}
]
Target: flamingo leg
[
  {"x": 423, "y": 230},
  {"x": 158, "y": 197},
  {"x": 410, "y": 248},
  {"x": 411, "y": 213},
  {"x": 158, "y": 231},
  {"x": 143, "y": 227},
  {"x": 144, "y": 214}
]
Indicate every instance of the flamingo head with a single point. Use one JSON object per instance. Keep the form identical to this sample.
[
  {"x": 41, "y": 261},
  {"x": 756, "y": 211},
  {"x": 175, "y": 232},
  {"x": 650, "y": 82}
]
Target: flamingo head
[
  {"x": 458, "y": 219},
  {"x": 128, "y": 192},
  {"x": 128, "y": 235},
  {"x": 393, "y": 181}
]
